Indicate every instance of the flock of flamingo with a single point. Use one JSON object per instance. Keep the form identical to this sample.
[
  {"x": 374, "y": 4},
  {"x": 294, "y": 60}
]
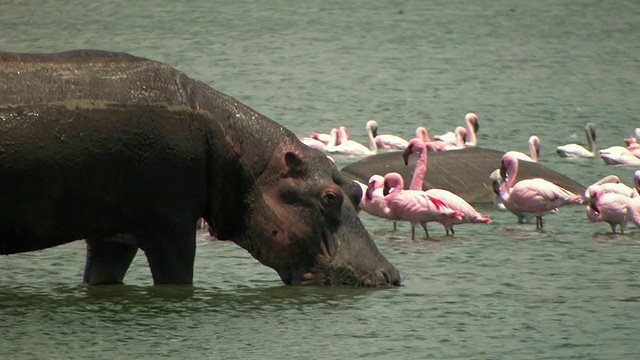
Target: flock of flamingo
[{"x": 608, "y": 200}]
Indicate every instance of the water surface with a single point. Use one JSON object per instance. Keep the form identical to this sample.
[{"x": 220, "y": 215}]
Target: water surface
[{"x": 500, "y": 291}]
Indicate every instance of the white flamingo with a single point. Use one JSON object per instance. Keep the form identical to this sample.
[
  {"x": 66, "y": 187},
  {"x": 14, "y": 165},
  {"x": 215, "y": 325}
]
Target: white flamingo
[
  {"x": 611, "y": 184},
  {"x": 344, "y": 145},
  {"x": 619, "y": 155},
  {"x": 472, "y": 127},
  {"x": 384, "y": 141},
  {"x": 578, "y": 151},
  {"x": 534, "y": 150}
]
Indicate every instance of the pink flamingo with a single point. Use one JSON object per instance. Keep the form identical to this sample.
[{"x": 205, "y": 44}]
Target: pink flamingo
[
  {"x": 472, "y": 127},
  {"x": 619, "y": 155},
  {"x": 423, "y": 134},
  {"x": 608, "y": 207},
  {"x": 312, "y": 143},
  {"x": 633, "y": 209},
  {"x": 344, "y": 145},
  {"x": 372, "y": 201},
  {"x": 634, "y": 148},
  {"x": 324, "y": 138},
  {"x": 451, "y": 200},
  {"x": 611, "y": 184},
  {"x": 536, "y": 195},
  {"x": 387, "y": 142},
  {"x": 415, "y": 206},
  {"x": 534, "y": 150},
  {"x": 633, "y": 139}
]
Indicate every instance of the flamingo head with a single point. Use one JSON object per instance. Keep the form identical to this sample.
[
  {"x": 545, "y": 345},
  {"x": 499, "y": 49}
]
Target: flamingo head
[
  {"x": 392, "y": 180},
  {"x": 591, "y": 129},
  {"x": 375, "y": 182},
  {"x": 593, "y": 193},
  {"x": 372, "y": 126},
  {"x": 415, "y": 145},
  {"x": 472, "y": 118},
  {"x": 508, "y": 165}
]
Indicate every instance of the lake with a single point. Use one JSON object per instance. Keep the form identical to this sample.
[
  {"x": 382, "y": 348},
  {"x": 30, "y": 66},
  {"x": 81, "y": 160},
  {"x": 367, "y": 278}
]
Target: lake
[{"x": 497, "y": 291}]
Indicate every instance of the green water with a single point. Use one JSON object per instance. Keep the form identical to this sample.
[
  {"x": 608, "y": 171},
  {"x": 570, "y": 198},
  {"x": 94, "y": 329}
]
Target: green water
[{"x": 498, "y": 291}]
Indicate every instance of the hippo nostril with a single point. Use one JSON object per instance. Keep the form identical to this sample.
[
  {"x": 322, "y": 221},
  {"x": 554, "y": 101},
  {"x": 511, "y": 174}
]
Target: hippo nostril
[
  {"x": 392, "y": 278},
  {"x": 387, "y": 278}
]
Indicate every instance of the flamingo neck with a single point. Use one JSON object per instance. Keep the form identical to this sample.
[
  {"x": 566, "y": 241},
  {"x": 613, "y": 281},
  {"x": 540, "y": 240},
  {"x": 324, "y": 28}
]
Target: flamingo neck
[
  {"x": 460, "y": 137},
  {"x": 591, "y": 142},
  {"x": 533, "y": 151},
  {"x": 423, "y": 134},
  {"x": 472, "y": 141},
  {"x": 512, "y": 172},
  {"x": 420, "y": 169},
  {"x": 372, "y": 140},
  {"x": 333, "y": 138}
]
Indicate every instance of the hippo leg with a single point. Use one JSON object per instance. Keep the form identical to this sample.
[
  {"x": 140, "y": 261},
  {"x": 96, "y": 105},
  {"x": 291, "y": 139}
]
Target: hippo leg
[
  {"x": 171, "y": 255},
  {"x": 107, "y": 260}
]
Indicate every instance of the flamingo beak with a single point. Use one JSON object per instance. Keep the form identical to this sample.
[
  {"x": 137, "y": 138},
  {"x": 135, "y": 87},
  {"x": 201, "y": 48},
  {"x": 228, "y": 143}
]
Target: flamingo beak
[
  {"x": 592, "y": 204},
  {"x": 368, "y": 194},
  {"x": 503, "y": 172},
  {"x": 386, "y": 190},
  {"x": 496, "y": 187},
  {"x": 405, "y": 154}
]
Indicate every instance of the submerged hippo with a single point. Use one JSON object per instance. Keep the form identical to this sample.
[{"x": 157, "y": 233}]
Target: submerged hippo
[
  {"x": 129, "y": 153},
  {"x": 464, "y": 172}
]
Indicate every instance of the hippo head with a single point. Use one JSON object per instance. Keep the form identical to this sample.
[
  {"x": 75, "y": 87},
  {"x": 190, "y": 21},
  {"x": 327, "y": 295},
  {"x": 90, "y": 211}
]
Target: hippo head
[{"x": 303, "y": 223}]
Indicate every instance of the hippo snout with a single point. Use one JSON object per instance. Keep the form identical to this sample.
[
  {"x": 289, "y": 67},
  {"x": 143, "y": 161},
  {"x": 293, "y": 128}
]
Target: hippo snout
[{"x": 392, "y": 277}]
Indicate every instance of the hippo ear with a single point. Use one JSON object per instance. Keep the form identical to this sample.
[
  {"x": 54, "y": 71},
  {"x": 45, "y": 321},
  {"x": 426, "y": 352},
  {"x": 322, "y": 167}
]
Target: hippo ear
[{"x": 295, "y": 165}]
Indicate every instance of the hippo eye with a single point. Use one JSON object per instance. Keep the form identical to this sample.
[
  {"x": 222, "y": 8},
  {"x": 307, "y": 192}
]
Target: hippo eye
[
  {"x": 332, "y": 198},
  {"x": 331, "y": 202}
]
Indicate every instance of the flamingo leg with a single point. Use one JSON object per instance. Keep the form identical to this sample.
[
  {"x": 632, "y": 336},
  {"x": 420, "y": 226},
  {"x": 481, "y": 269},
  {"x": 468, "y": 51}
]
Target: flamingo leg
[
  {"x": 413, "y": 232},
  {"x": 424, "y": 226},
  {"x": 395, "y": 226}
]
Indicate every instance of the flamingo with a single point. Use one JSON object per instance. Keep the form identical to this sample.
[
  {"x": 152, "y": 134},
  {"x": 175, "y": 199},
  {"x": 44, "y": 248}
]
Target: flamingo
[
  {"x": 423, "y": 134},
  {"x": 633, "y": 208},
  {"x": 522, "y": 216},
  {"x": 373, "y": 201},
  {"x": 633, "y": 139},
  {"x": 415, "y": 206},
  {"x": 346, "y": 146},
  {"x": 324, "y": 138},
  {"x": 634, "y": 148},
  {"x": 387, "y": 142},
  {"x": 461, "y": 136},
  {"x": 577, "y": 151},
  {"x": 451, "y": 200},
  {"x": 611, "y": 184},
  {"x": 313, "y": 143},
  {"x": 536, "y": 195},
  {"x": 534, "y": 150},
  {"x": 472, "y": 127},
  {"x": 619, "y": 155},
  {"x": 611, "y": 208}
]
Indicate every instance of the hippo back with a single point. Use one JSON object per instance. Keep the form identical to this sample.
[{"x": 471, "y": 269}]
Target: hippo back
[{"x": 464, "y": 172}]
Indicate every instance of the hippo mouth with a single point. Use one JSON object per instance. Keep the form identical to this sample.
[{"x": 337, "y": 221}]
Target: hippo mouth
[{"x": 327, "y": 271}]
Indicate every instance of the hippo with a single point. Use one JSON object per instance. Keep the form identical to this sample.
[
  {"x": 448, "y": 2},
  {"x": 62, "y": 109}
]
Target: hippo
[
  {"x": 464, "y": 172},
  {"x": 128, "y": 153}
]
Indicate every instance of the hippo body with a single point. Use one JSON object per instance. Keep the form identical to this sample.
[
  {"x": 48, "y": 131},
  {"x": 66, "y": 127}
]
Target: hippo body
[
  {"x": 464, "y": 172},
  {"x": 129, "y": 153}
]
